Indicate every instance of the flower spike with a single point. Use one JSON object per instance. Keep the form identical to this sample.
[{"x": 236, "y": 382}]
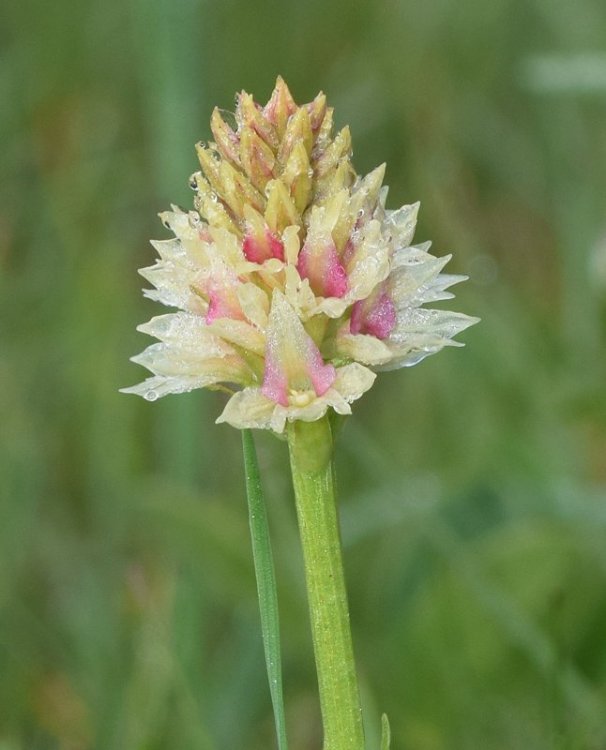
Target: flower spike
[{"x": 294, "y": 283}]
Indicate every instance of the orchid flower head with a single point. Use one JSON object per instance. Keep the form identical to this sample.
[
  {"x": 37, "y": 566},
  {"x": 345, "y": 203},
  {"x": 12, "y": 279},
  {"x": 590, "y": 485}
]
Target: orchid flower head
[{"x": 293, "y": 283}]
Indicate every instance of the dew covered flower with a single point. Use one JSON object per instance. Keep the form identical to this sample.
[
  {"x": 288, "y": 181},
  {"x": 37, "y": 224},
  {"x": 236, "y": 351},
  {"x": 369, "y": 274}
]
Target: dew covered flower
[{"x": 294, "y": 284}]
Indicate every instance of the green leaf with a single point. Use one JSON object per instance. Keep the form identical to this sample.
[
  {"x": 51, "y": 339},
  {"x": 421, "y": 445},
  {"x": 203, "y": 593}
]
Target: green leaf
[{"x": 266, "y": 583}]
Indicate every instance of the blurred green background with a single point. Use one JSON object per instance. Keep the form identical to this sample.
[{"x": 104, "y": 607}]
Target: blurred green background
[{"x": 473, "y": 486}]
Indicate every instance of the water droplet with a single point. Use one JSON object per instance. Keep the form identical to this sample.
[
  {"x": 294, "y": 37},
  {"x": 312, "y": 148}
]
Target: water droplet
[{"x": 151, "y": 396}]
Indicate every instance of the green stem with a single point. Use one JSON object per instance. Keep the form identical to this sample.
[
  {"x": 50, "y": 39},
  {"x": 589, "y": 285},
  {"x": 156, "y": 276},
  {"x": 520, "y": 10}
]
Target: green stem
[{"x": 311, "y": 460}]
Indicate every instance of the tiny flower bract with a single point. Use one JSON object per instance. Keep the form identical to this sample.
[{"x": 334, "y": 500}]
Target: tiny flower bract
[{"x": 294, "y": 283}]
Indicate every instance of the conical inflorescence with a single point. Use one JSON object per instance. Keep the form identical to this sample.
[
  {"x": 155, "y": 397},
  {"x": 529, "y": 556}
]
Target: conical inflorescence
[{"x": 294, "y": 284}]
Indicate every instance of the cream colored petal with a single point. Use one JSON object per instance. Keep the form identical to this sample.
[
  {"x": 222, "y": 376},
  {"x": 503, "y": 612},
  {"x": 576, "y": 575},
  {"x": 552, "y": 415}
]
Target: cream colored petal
[
  {"x": 273, "y": 265},
  {"x": 362, "y": 348},
  {"x": 419, "y": 333},
  {"x": 338, "y": 402},
  {"x": 370, "y": 263},
  {"x": 192, "y": 254},
  {"x": 188, "y": 356},
  {"x": 292, "y": 244},
  {"x": 175, "y": 361},
  {"x": 228, "y": 246},
  {"x": 365, "y": 194},
  {"x": 323, "y": 218},
  {"x": 415, "y": 349},
  {"x": 250, "y": 409},
  {"x": 192, "y": 239},
  {"x": 158, "y": 386},
  {"x": 186, "y": 225},
  {"x": 310, "y": 412},
  {"x": 405, "y": 280},
  {"x": 333, "y": 307},
  {"x": 174, "y": 298},
  {"x": 435, "y": 290},
  {"x": 240, "y": 333},
  {"x": 410, "y": 255},
  {"x": 173, "y": 286},
  {"x": 299, "y": 294},
  {"x": 419, "y": 281},
  {"x": 187, "y": 331},
  {"x": 254, "y": 303},
  {"x": 401, "y": 223},
  {"x": 441, "y": 323},
  {"x": 170, "y": 250},
  {"x": 353, "y": 380}
]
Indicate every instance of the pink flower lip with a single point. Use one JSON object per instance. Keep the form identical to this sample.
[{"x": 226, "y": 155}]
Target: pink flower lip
[
  {"x": 321, "y": 375},
  {"x": 258, "y": 250},
  {"x": 293, "y": 362},
  {"x": 222, "y": 303},
  {"x": 377, "y": 319},
  {"x": 322, "y": 266},
  {"x": 275, "y": 383}
]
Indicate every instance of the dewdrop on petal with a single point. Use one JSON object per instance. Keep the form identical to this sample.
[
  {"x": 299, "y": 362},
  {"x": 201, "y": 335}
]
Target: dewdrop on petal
[{"x": 294, "y": 284}]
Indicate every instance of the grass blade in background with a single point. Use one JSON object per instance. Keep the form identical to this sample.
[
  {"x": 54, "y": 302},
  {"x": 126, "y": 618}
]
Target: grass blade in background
[
  {"x": 266, "y": 583},
  {"x": 385, "y": 733}
]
